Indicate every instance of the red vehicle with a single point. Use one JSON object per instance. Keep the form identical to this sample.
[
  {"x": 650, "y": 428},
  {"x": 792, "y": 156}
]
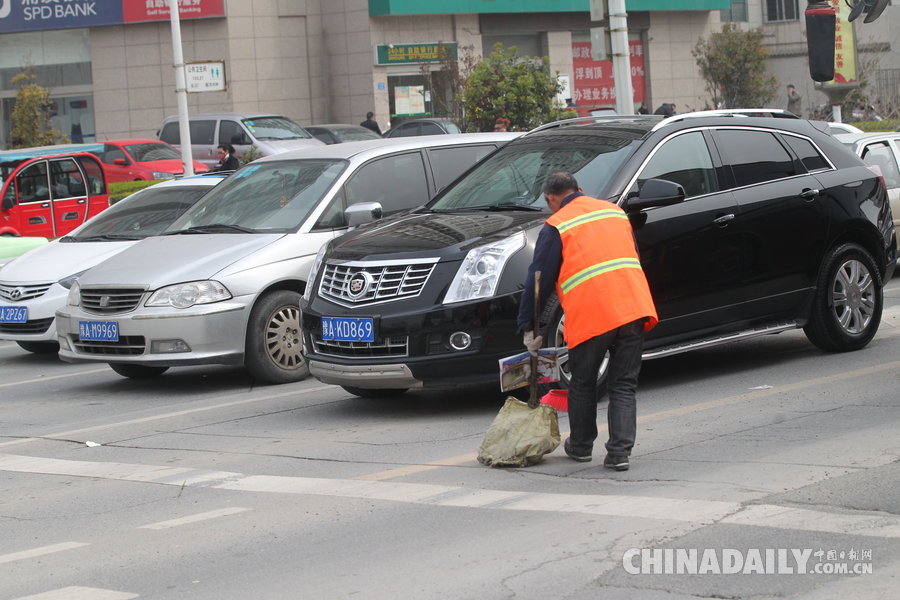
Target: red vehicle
[
  {"x": 140, "y": 159},
  {"x": 49, "y": 196}
]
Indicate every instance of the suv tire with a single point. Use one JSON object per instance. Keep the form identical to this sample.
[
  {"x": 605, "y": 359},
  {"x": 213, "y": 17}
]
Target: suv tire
[
  {"x": 132, "y": 371},
  {"x": 274, "y": 347},
  {"x": 849, "y": 298}
]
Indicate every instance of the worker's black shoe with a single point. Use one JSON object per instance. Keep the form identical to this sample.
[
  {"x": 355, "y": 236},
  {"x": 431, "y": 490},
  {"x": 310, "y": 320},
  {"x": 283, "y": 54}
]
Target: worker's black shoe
[
  {"x": 571, "y": 453},
  {"x": 619, "y": 463}
]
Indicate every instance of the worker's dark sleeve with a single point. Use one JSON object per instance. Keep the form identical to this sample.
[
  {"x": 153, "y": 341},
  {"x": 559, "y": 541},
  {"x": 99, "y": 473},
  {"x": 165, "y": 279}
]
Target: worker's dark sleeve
[{"x": 548, "y": 260}]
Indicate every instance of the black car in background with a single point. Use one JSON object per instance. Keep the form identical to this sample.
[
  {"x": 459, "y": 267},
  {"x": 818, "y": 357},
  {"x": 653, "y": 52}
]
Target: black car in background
[{"x": 746, "y": 225}]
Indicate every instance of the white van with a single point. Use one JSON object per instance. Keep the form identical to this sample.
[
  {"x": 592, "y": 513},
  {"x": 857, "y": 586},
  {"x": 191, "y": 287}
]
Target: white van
[{"x": 270, "y": 134}]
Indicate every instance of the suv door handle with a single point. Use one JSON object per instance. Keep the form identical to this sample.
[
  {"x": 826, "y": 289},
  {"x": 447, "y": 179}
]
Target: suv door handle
[
  {"x": 723, "y": 220},
  {"x": 808, "y": 194}
]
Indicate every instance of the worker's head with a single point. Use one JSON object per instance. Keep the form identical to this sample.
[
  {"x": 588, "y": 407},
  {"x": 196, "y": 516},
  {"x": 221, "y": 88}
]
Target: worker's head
[{"x": 557, "y": 186}]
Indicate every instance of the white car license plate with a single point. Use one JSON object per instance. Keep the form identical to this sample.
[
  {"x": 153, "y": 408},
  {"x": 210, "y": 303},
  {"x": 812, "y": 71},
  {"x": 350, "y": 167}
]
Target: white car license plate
[
  {"x": 98, "y": 331},
  {"x": 348, "y": 329},
  {"x": 13, "y": 314}
]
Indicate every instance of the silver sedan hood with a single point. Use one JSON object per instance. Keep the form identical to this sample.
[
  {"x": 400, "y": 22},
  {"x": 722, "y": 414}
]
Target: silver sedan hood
[{"x": 159, "y": 261}]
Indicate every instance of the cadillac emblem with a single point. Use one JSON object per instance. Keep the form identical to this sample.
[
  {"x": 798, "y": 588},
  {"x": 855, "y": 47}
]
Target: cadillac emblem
[{"x": 358, "y": 285}]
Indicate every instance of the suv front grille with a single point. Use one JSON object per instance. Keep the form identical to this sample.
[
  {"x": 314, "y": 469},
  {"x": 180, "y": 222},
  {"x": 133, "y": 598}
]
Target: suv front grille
[
  {"x": 394, "y": 347},
  {"x": 110, "y": 301},
  {"x": 128, "y": 345},
  {"x": 361, "y": 283},
  {"x": 20, "y": 293}
]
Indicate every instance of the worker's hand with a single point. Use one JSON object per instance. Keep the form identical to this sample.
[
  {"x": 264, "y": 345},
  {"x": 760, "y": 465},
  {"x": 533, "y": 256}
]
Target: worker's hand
[{"x": 532, "y": 343}]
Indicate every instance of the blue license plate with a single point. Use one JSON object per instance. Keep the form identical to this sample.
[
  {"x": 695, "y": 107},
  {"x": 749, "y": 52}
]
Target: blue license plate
[
  {"x": 13, "y": 314},
  {"x": 344, "y": 329},
  {"x": 98, "y": 331}
]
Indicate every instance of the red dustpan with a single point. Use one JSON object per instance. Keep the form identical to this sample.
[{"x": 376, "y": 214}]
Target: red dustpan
[{"x": 558, "y": 399}]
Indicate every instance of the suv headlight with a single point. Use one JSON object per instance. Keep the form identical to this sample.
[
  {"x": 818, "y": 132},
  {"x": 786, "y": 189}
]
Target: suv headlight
[
  {"x": 479, "y": 274},
  {"x": 186, "y": 295},
  {"x": 314, "y": 271},
  {"x": 74, "y": 297}
]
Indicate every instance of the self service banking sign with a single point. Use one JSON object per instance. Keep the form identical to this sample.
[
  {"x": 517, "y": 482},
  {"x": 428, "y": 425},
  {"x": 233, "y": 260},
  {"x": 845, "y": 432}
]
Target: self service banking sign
[{"x": 40, "y": 15}]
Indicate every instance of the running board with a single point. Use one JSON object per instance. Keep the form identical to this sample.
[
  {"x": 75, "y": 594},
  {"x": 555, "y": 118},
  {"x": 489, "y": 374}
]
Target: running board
[{"x": 741, "y": 335}]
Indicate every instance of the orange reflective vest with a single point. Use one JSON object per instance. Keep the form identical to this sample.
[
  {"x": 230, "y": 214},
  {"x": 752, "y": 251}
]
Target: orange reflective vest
[{"x": 601, "y": 285}]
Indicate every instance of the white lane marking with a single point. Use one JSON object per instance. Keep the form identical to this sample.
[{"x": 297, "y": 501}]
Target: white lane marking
[
  {"x": 783, "y": 517},
  {"x": 80, "y": 593},
  {"x": 179, "y": 413},
  {"x": 43, "y": 550},
  {"x": 52, "y": 377},
  {"x": 222, "y": 512}
]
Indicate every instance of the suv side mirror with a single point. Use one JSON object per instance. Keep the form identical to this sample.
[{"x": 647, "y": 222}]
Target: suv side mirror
[
  {"x": 363, "y": 212},
  {"x": 657, "y": 192}
]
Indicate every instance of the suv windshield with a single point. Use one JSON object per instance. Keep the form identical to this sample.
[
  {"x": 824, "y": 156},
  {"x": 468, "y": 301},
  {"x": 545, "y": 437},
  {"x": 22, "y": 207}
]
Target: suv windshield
[
  {"x": 274, "y": 128},
  {"x": 515, "y": 174},
  {"x": 265, "y": 197},
  {"x": 150, "y": 151}
]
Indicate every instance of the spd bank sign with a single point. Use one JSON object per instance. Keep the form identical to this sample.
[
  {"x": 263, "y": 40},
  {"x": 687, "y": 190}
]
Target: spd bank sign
[{"x": 41, "y": 15}]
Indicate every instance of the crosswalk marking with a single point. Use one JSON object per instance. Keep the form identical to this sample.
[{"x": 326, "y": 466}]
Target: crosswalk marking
[
  {"x": 222, "y": 512},
  {"x": 80, "y": 593},
  {"x": 43, "y": 550}
]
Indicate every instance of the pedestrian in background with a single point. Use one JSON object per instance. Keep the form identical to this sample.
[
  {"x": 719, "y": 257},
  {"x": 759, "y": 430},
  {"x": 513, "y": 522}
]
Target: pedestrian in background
[
  {"x": 227, "y": 160},
  {"x": 371, "y": 123},
  {"x": 501, "y": 124},
  {"x": 794, "y": 99},
  {"x": 665, "y": 109},
  {"x": 587, "y": 248}
]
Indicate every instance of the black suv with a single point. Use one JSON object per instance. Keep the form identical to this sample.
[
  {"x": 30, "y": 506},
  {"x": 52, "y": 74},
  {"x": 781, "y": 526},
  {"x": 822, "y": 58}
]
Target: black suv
[{"x": 746, "y": 225}]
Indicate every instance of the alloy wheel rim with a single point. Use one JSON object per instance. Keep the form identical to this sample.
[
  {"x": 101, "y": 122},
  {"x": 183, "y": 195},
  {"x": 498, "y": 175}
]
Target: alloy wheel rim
[
  {"x": 565, "y": 375},
  {"x": 284, "y": 343},
  {"x": 853, "y": 297}
]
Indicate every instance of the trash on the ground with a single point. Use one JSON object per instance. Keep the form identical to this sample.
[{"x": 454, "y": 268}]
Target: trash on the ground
[{"x": 91, "y": 444}]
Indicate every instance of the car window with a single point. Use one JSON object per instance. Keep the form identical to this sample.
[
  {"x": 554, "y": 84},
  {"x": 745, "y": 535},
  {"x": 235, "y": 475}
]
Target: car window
[
  {"x": 407, "y": 129},
  {"x": 685, "y": 160},
  {"x": 809, "y": 156},
  {"x": 152, "y": 151},
  {"x": 396, "y": 182},
  {"x": 170, "y": 133},
  {"x": 449, "y": 163},
  {"x": 451, "y": 127},
  {"x": 322, "y": 135},
  {"x": 111, "y": 153},
  {"x": 333, "y": 217},
  {"x": 33, "y": 185},
  {"x": 274, "y": 128},
  {"x": 66, "y": 180},
  {"x": 431, "y": 129},
  {"x": 94, "y": 173},
  {"x": 355, "y": 134},
  {"x": 755, "y": 156},
  {"x": 203, "y": 132},
  {"x": 880, "y": 155},
  {"x": 271, "y": 196},
  {"x": 145, "y": 213},
  {"x": 230, "y": 132}
]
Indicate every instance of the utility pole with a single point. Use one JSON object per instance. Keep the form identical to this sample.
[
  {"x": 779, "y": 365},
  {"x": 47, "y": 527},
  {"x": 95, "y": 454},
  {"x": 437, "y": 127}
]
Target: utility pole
[
  {"x": 617, "y": 20},
  {"x": 187, "y": 158}
]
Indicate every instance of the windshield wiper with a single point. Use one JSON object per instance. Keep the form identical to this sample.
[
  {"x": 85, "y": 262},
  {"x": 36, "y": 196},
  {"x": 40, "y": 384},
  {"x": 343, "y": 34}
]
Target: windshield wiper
[
  {"x": 106, "y": 237},
  {"x": 213, "y": 228},
  {"x": 502, "y": 207}
]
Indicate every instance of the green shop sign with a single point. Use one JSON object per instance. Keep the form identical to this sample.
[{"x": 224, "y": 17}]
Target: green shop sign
[
  {"x": 403, "y": 54},
  {"x": 379, "y": 8}
]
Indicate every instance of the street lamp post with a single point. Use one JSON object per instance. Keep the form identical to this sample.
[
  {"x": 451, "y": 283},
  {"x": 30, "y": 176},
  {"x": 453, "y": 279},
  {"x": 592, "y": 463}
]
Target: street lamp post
[{"x": 184, "y": 129}]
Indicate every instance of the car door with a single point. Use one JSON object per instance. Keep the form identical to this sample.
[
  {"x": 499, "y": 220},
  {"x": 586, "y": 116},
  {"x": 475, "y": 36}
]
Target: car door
[
  {"x": 884, "y": 155},
  {"x": 69, "y": 195},
  {"x": 117, "y": 171},
  {"x": 33, "y": 198},
  {"x": 689, "y": 250},
  {"x": 782, "y": 217}
]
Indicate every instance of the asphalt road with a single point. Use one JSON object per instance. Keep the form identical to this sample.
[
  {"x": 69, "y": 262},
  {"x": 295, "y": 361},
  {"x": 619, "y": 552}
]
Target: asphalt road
[{"x": 755, "y": 462}]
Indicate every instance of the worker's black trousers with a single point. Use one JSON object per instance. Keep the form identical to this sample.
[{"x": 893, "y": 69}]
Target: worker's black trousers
[{"x": 624, "y": 344}]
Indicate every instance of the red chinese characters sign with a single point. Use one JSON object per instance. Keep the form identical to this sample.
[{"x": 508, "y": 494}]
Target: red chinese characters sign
[{"x": 594, "y": 83}]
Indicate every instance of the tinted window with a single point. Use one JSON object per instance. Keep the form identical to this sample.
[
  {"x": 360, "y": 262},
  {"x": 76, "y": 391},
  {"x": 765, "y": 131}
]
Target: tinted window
[
  {"x": 880, "y": 155},
  {"x": 203, "y": 132},
  {"x": 685, "y": 160},
  {"x": 431, "y": 129},
  {"x": 94, "y": 172},
  {"x": 397, "y": 182},
  {"x": 111, "y": 153},
  {"x": 405, "y": 130},
  {"x": 755, "y": 156},
  {"x": 150, "y": 151},
  {"x": 449, "y": 163},
  {"x": 355, "y": 134},
  {"x": 65, "y": 179},
  {"x": 321, "y": 134},
  {"x": 230, "y": 132},
  {"x": 809, "y": 156},
  {"x": 274, "y": 128},
  {"x": 33, "y": 186},
  {"x": 170, "y": 133}
]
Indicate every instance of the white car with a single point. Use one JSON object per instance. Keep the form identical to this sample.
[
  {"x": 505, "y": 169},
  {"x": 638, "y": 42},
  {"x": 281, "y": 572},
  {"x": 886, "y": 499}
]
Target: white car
[
  {"x": 881, "y": 150},
  {"x": 36, "y": 284}
]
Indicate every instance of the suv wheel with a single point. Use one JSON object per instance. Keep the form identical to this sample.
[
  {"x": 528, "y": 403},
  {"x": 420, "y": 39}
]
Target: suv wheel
[
  {"x": 274, "y": 348},
  {"x": 374, "y": 392},
  {"x": 137, "y": 371},
  {"x": 847, "y": 307},
  {"x": 554, "y": 320},
  {"x": 40, "y": 347}
]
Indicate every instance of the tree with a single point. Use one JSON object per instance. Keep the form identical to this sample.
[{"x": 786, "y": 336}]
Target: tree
[
  {"x": 448, "y": 83},
  {"x": 504, "y": 85},
  {"x": 733, "y": 64},
  {"x": 32, "y": 112}
]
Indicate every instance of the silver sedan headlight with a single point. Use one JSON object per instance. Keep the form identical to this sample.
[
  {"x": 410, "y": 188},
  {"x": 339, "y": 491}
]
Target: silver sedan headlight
[
  {"x": 74, "y": 297},
  {"x": 480, "y": 272},
  {"x": 186, "y": 295}
]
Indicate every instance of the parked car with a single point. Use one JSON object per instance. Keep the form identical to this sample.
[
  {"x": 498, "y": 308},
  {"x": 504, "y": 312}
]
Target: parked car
[
  {"x": 413, "y": 127},
  {"x": 35, "y": 285},
  {"x": 838, "y": 128},
  {"x": 336, "y": 133},
  {"x": 268, "y": 134},
  {"x": 12, "y": 246},
  {"x": 49, "y": 195},
  {"x": 745, "y": 226},
  {"x": 222, "y": 286},
  {"x": 141, "y": 160},
  {"x": 881, "y": 150}
]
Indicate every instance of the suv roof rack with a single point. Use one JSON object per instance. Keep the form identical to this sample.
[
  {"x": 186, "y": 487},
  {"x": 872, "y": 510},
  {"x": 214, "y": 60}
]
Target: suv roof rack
[
  {"x": 776, "y": 113},
  {"x": 590, "y": 119}
]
